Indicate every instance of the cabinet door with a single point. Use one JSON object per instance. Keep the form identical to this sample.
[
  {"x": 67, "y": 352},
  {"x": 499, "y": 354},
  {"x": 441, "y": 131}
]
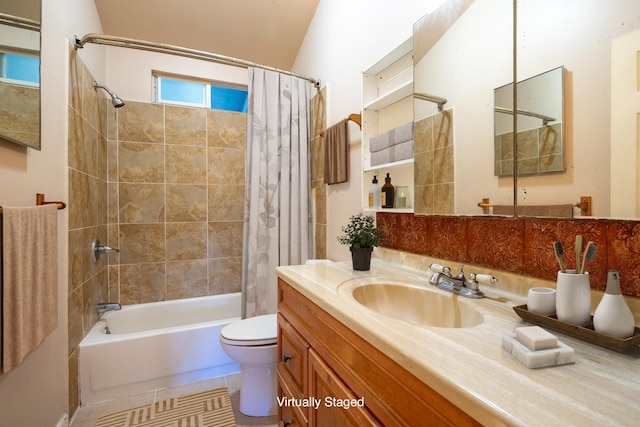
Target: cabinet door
[
  {"x": 292, "y": 357},
  {"x": 336, "y": 405},
  {"x": 289, "y": 415}
]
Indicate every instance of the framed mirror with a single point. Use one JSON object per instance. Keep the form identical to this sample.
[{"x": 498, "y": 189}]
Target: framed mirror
[
  {"x": 20, "y": 72},
  {"x": 540, "y": 125}
]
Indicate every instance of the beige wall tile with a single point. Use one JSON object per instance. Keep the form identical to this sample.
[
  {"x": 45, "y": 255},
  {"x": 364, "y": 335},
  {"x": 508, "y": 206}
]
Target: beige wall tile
[
  {"x": 226, "y": 202},
  {"x": 225, "y": 166},
  {"x": 225, "y": 275},
  {"x": 186, "y": 202},
  {"x": 142, "y": 243},
  {"x": 226, "y": 129},
  {"x": 141, "y": 122},
  {"x": 185, "y": 125},
  {"x": 187, "y": 279},
  {"x": 140, "y": 162},
  {"x": 140, "y": 283},
  {"x": 224, "y": 238},
  {"x": 141, "y": 203},
  {"x": 186, "y": 240},
  {"x": 186, "y": 164}
]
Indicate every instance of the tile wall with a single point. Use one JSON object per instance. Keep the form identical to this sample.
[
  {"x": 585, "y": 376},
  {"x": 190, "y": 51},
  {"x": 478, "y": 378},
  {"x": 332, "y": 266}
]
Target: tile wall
[
  {"x": 539, "y": 151},
  {"x": 318, "y": 187},
  {"x": 522, "y": 245},
  {"x": 433, "y": 172}
]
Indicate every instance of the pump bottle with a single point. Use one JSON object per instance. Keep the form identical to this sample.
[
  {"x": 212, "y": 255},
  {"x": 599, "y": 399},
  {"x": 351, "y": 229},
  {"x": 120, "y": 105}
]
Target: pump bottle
[{"x": 374, "y": 193}]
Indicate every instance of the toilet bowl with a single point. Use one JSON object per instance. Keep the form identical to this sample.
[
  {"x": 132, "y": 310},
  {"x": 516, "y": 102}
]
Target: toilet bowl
[{"x": 253, "y": 344}]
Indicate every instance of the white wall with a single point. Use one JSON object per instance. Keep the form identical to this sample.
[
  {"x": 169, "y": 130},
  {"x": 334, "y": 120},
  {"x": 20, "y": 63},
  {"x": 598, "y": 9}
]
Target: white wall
[
  {"x": 345, "y": 38},
  {"x": 36, "y": 392}
]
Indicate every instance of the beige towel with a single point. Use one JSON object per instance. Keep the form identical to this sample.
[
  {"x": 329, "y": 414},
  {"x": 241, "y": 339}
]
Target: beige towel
[
  {"x": 336, "y": 153},
  {"x": 553, "y": 211},
  {"x": 30, "y": 280}
]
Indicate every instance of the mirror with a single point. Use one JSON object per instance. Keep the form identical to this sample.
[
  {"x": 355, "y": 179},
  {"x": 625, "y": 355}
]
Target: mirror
[
  {"x": 540, "y": 125},
  {"x": 20, "y": 72},
  {"x": 461, "y": 55},
  {"x": 597, "y": 43}
]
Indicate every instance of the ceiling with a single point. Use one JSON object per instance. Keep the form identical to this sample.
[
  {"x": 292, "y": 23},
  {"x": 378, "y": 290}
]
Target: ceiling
[{"x": 268, "y": 32}]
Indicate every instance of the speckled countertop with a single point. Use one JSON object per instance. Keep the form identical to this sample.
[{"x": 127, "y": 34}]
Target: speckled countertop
[{"x": 468, "y": 365}]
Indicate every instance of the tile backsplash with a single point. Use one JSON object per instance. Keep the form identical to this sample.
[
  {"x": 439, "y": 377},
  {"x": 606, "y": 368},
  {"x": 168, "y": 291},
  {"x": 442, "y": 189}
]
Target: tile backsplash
[{"x": 522, "y": 246}]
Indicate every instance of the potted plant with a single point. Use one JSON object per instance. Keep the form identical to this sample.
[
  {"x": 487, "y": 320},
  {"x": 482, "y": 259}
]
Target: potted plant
[{"x": 361, "y": 234}]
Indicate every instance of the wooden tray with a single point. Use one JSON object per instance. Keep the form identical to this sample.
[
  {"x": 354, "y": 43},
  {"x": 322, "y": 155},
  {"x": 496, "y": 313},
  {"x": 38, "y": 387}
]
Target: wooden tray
[{"x": 584, "y": 332}]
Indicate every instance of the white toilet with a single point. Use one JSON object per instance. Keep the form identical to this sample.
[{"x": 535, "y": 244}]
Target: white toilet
[{"x": 253, "y": 344}]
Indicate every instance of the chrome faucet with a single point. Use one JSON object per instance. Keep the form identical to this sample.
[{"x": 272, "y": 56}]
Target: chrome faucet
[
  {"x": 103, "y": 307},
  {"x": 459, "y": 284}
]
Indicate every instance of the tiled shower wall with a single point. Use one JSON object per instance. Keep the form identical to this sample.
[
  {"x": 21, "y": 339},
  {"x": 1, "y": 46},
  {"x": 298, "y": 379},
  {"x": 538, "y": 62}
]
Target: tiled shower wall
[
  {"x": 175, "y": 202},
  {"x": 318, "y": 187},
  {"x": 165, "y": 184},
  {"x": 87, "y": 210}
]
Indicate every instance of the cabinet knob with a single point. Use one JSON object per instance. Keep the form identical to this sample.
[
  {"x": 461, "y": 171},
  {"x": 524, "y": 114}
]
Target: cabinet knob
[
  {"x": 286, "y": 423},
  {"x": 286, "y": 358}
]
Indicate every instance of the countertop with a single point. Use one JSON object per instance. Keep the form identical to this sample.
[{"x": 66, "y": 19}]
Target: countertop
[{"x": 468, "y": 365}]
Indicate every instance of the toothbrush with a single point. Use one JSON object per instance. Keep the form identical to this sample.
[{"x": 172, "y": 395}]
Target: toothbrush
[
  {"x": 589, "y": 255},
  {"x": 578, "y": 251},
  {"x": 557, "y": 248}
]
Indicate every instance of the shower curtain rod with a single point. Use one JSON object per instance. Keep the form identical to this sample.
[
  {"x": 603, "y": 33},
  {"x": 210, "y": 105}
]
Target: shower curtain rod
[
  {"x": 19, "y": 22},
  {"x": 179, "y": 51},
  {"x": 431, "y": 98}
]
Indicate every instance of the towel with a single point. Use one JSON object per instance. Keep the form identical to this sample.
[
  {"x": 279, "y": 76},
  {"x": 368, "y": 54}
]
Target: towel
[
  {"x": 392, "y": 137},
  {"x": 30, "y": 280},
  {"x": 554, "y": 211},
  {"x": 336, "y": 153}
]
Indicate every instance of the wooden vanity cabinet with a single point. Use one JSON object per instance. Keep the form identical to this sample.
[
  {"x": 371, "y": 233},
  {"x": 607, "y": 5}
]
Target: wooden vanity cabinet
[{"x": 333, "y": 362}]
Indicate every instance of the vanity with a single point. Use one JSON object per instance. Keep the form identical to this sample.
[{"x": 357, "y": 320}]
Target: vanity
[{"x": 346, "y": 359}]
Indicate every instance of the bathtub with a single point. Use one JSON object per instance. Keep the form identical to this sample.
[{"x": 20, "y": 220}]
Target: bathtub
[{"x": 156, "y": 345}]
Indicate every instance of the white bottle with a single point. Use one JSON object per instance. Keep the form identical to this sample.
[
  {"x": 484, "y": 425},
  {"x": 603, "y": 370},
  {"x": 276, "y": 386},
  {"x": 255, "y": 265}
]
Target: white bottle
[
  {"x": 613, "y": 316},
  {"x": 374, "y": 193}
]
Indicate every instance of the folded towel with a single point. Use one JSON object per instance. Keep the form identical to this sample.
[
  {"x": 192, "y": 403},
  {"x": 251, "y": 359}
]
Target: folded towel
[
  {"x": 336, "y": 153},
  {"x": 555, "y": 211},
  {"x": 402, "y": 151},
  {"x": 30, "y": 280},
  {"x": 392, "y": 137},
  {"x": 381, "y": 157}
]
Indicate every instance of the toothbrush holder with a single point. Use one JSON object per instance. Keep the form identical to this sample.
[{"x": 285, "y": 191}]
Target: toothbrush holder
[{"x": 573, "y": 297}]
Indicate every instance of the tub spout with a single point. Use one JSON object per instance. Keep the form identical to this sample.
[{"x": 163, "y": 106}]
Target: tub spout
[{"x": 103, "y": 307}]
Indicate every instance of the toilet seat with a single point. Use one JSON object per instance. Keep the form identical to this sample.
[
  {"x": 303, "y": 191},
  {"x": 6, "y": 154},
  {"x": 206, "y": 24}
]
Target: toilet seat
[{"x": 254, "y": 331}]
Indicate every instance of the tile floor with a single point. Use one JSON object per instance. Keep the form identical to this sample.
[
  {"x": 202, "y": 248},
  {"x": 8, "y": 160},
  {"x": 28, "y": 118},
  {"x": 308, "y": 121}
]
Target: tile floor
[{"x": 87, "y": 416}]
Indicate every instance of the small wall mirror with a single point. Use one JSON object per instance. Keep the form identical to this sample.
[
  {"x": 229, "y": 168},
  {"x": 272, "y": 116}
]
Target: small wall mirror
[
  {"x": 540, "y": 125},
  {"x": 20, "y": 72}
]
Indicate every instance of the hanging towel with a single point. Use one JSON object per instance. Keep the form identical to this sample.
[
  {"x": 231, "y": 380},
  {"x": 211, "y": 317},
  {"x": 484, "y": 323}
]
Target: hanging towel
[
  {"x": 336, "y": 153},
  {"x": 29, "y": 280}
]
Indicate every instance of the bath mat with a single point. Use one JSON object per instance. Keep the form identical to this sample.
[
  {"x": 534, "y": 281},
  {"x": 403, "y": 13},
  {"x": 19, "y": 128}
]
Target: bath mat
[{"x": 206, "y": 409}]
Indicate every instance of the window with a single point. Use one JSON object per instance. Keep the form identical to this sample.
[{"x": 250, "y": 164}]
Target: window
[
  {"x": 214, "y": 95},
  {"x": 19, "y": 68}
]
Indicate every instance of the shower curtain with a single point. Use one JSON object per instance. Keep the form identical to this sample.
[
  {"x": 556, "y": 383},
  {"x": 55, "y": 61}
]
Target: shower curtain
[{"x": 276, "y": 214}]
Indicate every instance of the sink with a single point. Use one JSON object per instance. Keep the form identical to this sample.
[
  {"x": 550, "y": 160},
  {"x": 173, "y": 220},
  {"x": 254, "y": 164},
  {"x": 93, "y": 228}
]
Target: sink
[{"x": 416, "y": 305}]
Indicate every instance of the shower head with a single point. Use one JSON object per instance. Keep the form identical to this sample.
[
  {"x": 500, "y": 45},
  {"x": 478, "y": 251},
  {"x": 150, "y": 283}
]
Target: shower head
[{"x": 115, "y": 99}]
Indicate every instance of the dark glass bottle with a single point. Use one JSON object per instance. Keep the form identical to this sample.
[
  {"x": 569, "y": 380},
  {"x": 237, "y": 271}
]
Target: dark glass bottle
[{"x": 388, "y": 193}]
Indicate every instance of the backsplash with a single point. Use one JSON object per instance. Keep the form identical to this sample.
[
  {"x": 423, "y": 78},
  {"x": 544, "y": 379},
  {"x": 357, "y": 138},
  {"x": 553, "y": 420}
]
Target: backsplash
[{"x": 522, "y": 246}]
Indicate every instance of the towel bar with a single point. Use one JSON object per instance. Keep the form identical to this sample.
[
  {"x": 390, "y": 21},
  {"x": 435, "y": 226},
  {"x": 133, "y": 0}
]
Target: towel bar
[
  {"x": 584, "y": 204},
  {"x": 40, "y": 201}
]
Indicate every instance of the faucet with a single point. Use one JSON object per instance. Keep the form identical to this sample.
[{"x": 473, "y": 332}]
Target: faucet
[
  {"x": 459, "y": 285},
  {"x": 103, "y": 307}
]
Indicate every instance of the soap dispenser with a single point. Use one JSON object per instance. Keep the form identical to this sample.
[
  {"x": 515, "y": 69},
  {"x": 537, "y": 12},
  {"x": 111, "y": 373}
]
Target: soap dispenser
[
  {"x": 613, "y": 316},
  {"x": 388, "y": 193},
  {"x": 374, "y": 193}
]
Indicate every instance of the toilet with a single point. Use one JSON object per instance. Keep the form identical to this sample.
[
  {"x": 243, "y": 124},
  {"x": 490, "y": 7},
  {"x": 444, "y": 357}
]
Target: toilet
[{"x": 253, "y": 344}]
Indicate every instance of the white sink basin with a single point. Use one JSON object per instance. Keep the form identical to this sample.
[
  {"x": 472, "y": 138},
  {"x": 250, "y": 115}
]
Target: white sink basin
[{"x": 414, "y": 304}]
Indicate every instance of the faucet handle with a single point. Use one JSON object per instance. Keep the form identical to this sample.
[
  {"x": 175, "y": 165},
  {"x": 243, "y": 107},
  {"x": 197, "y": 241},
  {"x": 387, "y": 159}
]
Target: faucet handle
[{"x": 437, "y": 268}]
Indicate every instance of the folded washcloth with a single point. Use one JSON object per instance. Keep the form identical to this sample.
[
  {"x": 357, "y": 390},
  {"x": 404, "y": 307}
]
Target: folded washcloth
[{"x": 392, "y": 137}]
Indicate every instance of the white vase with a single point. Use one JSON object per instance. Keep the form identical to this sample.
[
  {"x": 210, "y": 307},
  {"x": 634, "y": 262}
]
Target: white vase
[
  {"x": 613, "y": 316},
  {"x": 573, "y": 298}
]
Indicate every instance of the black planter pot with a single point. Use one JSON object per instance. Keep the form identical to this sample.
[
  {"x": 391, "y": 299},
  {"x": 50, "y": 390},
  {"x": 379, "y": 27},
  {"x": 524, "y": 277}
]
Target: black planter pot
[{"x": 361, "y": 258}]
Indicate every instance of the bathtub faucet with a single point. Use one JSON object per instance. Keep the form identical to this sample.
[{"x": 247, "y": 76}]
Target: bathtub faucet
[{"x": 103, "y": 307}]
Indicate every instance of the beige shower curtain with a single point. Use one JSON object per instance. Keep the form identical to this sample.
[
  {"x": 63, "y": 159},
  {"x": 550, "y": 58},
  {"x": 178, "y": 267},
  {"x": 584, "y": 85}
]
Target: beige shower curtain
[{"x": 277, "y": 217}]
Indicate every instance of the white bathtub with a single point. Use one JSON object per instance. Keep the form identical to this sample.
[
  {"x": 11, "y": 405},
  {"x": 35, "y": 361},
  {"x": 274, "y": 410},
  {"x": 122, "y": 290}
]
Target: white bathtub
[{"x": 156, "y": 345}]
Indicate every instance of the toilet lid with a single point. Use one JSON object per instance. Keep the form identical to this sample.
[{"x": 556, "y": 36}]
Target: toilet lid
[{"x": 259, "y": 330}]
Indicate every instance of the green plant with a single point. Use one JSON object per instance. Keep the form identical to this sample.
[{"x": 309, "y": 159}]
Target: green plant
[{"x": 361, "y": 232}]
